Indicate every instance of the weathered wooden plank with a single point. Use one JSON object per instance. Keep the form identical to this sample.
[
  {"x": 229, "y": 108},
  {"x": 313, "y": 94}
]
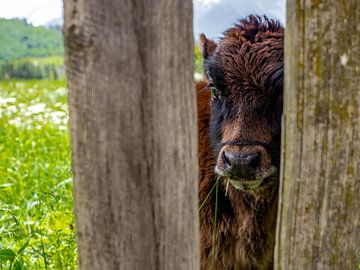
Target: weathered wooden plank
[
  {"x": 133, "y": 133},
  {"x": 319, "y": 213}
]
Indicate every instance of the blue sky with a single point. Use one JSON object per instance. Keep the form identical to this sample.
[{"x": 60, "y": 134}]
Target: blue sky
[{"x": 210, "y": 16}]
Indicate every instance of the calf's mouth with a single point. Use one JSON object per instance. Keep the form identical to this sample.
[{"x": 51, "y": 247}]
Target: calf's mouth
[
  {"x": 258, "y": 181},
  {"x": 246, "y": 167}
]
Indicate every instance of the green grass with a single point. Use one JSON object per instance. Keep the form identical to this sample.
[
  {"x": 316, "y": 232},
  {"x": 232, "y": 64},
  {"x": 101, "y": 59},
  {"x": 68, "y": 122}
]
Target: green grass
[{"x": 36, "y": 205}]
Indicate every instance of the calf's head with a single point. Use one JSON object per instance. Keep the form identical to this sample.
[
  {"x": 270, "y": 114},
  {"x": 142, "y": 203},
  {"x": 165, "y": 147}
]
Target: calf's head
[{"x": 245, "y": 75}]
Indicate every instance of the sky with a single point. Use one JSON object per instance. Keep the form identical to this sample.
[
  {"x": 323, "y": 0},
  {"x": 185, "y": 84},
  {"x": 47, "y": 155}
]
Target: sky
[
  {"x": 38, "y": 12},
  {"x": 213, "y": 17},
  {"x": 210, "y": 16}
]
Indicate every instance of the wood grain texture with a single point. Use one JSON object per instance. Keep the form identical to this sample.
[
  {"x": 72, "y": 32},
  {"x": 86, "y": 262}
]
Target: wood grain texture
[
  {"x": 134, "y": 133},
  {"x": 319, "y": 213}
]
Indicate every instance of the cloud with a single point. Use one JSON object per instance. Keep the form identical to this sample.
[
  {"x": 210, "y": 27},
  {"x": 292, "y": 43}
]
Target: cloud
[
  {"x": 213, "y": 19},
  {"x": 207, "y": 2},
  {"x": 37, "y": 12}
]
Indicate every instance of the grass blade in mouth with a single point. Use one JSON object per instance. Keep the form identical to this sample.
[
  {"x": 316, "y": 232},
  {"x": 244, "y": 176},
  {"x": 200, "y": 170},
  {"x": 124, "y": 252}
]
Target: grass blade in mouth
[
  {"x": 227, "y": 185},
  {"x": 207, "y": 196}
]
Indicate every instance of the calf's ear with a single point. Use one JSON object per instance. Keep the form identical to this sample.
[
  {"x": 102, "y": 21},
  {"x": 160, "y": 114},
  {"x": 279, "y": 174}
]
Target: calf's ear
[{"x": 207, "y": 46}]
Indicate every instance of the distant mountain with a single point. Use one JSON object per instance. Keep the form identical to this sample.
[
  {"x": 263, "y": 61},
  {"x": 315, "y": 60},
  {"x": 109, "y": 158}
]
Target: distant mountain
[
  {"x": 213, "y": 19},
  {"x": 55, "y": 24},
  {"x": 18, "y": 39}
]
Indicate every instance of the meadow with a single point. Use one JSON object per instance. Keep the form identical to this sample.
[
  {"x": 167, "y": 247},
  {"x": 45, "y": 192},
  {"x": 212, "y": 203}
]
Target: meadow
[{"x": 37, "y": 228}]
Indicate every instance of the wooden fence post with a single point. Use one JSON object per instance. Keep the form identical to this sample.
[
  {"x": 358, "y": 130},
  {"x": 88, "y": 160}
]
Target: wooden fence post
[
  {"x": 319, "y": 214},
  {"x": 133, "y": 131}
]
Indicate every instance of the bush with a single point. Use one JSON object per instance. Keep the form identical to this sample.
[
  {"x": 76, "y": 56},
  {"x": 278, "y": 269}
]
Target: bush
[{"x": 51, "y": 68}]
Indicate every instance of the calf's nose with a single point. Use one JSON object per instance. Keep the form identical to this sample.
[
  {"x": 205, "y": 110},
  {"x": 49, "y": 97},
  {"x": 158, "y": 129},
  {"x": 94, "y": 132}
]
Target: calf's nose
[{"x": 241, "y": 164}]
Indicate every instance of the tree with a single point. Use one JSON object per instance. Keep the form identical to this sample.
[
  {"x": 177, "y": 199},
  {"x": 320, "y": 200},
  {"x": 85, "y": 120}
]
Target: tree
[
  {"x": 133, "y": 131},
  {"x": 319, "y": 217}
]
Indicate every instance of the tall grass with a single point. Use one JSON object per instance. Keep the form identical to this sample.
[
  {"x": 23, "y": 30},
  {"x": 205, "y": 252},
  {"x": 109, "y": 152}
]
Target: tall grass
[{"x": 36, "y": 206}]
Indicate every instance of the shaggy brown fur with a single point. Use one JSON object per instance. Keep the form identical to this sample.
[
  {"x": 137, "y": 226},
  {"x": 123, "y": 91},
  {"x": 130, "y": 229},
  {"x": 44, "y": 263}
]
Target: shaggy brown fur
[{"x": 245, "y": 72}]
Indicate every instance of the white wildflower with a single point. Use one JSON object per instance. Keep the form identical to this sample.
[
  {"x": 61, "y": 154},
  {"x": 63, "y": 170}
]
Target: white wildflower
[
  {"x": 37, "y": 108},
  {"x": 11, "y": 109},
  {"x": 4, "y": 101}
]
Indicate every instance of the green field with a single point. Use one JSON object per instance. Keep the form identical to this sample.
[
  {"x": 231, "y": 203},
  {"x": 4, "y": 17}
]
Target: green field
[
  {"x": 36, "y": 221},
  {"x": 18, "y": 39},
  {"x": 28, "y": 52}
]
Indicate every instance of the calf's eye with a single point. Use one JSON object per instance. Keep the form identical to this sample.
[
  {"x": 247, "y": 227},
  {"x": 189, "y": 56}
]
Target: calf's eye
[{"x": 214, "y": 91}]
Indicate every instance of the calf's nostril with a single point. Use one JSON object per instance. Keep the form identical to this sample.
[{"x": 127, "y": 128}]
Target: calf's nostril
[
  {"x": 227, "y": 159},
  {"x": 241, "y": 158},
  {"x": 255, "y": 160},
  {"x": 242, "y": 164},
  {"x": 231, "y": 158}
]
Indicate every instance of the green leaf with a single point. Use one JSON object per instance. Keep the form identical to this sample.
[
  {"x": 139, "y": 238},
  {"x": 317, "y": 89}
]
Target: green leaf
[
  {"x": 7, "y": 254},
  {"x": 6, "y": 185},
  {"x": 18, "y": 265},
  {"x": 23, "y": 247}
]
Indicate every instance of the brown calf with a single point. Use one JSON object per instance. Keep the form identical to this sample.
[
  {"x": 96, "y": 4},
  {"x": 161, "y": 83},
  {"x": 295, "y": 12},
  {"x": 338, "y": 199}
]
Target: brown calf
[{"x": 239, "y": 110}]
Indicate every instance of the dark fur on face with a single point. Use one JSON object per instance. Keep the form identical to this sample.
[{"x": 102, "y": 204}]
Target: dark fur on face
[
  {"x": 245, "y": 76},
  {"x": 247, "y": 71}
]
